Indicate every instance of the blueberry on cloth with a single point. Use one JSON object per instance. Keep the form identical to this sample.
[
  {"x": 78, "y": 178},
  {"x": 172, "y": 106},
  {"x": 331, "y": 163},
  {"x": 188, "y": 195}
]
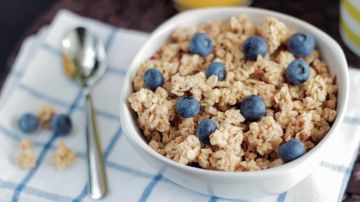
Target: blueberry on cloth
[
  {"x": 297, "y": 72},
  {"x": 153, "y": 78},
  {"x": 217, "y": 69},
  {"x": 28, "y": 123},
  {"x": 201, "y": 44},
  {"x": 291, "y": 150},
  {"x": 254, "y": 46},
  {"x": 61, "y": 124},
  {"x": 187, "y": 106},
  {"x": 301, "y": 44},
  {"x": 204, "y": 130},
  {"x": 253, "y": 108}
]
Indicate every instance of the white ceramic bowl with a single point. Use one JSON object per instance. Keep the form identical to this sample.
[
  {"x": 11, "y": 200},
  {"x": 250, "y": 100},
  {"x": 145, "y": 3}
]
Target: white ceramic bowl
[{"x": 243, "y": 185}]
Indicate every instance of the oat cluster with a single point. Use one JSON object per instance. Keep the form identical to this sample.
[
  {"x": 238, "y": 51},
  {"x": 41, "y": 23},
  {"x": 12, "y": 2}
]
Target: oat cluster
[
  {"x": 63, "y": 157},
  {"x": 45, "y": 114},
  {"x": 26, "y": 158},
  {"x": 304, "y": 111}
]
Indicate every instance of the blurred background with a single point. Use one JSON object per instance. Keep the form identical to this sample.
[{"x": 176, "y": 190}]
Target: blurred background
[{"x": 21, "y": 18}]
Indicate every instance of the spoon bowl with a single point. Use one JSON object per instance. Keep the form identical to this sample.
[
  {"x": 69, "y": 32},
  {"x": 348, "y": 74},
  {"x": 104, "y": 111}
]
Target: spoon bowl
[{"x": 84, "y": 56}]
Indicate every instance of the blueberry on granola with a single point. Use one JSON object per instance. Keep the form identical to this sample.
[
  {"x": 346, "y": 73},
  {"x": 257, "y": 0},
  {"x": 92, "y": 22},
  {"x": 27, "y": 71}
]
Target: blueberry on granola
[
  {"x": 61, "y": 124},
  {"x": 297, "y": 72},
  {"x": 253, "y": 108},
  {"x": 254, "y": 46},
  {"x": 301, "y": 44},
  {"x": 204, "y": 130},
  {"x": 187, "y": 106},
  {"x": 291, "y": 150},
  {"x": 153, "y": 78},
  {"x": 217, "y": 69},
  {"x": 28, "y": 123},
  {"x": 201, "y": 44}
]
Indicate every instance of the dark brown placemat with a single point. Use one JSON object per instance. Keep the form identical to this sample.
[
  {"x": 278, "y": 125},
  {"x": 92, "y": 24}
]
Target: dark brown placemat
[{"x": 146, "y": 15}]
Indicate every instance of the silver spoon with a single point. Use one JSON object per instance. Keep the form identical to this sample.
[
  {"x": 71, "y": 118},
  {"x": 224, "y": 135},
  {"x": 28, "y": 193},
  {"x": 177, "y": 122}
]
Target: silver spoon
[{"x": 85, "y": 61}]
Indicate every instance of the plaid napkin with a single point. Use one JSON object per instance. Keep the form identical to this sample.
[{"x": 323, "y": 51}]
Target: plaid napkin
[{"x": 37, "y": 79}]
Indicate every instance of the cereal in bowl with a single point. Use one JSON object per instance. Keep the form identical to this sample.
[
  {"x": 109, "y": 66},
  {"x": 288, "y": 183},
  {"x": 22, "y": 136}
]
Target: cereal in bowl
[{"x": 235, "y": 96}]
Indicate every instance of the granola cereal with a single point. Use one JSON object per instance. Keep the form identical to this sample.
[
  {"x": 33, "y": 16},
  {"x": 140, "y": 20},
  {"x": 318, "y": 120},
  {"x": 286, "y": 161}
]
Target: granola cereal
[
  {"x": 304, "y": 112},
  {"x": 63, "y": 157},
  {"x": 45, "y": 115},
  {"x": 26, "y": 158}
]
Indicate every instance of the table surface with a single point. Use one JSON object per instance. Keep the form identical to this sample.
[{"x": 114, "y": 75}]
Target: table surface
[{"x": 146, "y": 15}]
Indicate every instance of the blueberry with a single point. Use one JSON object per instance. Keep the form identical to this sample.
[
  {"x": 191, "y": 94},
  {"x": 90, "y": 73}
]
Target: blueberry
[
  {"x": 218, "y": 69},
  {"x": 297, "y": 72},
  {"x": 291, "y": 150},
  {"x": 28, "y": 123},
  {"x": 301, "y": 44},
  {"x": 201, "y": 44},
  {"x": 253, "y": 108},
  {"x": 204, "y": 129},
  {"x": 61, "y": 124},
  {"x": 153, "y": 78},
  {"x": 187, "y": 106},
  {"x": 253, "y": 47}
]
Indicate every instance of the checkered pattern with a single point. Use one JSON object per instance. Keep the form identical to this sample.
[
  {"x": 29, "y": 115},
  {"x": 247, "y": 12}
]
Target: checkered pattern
[{"x": 37, "y": 79}]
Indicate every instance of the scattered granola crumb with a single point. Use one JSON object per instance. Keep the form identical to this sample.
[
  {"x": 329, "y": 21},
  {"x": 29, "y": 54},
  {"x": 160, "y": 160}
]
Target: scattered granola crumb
[
  {"x": 26, "y": 158},
  {"x": 63, "y": 157},
  {"x": 45, "y": 115}
]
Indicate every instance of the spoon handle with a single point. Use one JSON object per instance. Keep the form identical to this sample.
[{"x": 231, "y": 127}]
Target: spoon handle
[{"x": 97, "y": 173}]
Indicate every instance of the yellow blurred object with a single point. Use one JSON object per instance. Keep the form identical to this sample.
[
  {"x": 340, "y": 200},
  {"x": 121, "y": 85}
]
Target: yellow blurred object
[
  {"x": 190, "y": 4},
  {"x": 69, "y": 66}
]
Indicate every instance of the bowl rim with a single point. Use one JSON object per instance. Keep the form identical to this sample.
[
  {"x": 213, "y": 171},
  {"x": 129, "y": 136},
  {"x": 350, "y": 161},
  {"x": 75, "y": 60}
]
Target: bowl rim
[{"x": 341, "y": 109}]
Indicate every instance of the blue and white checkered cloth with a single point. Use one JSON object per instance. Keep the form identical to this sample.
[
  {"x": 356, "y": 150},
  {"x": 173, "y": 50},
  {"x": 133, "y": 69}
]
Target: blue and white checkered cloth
[{"x": 37, "y": 79}]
